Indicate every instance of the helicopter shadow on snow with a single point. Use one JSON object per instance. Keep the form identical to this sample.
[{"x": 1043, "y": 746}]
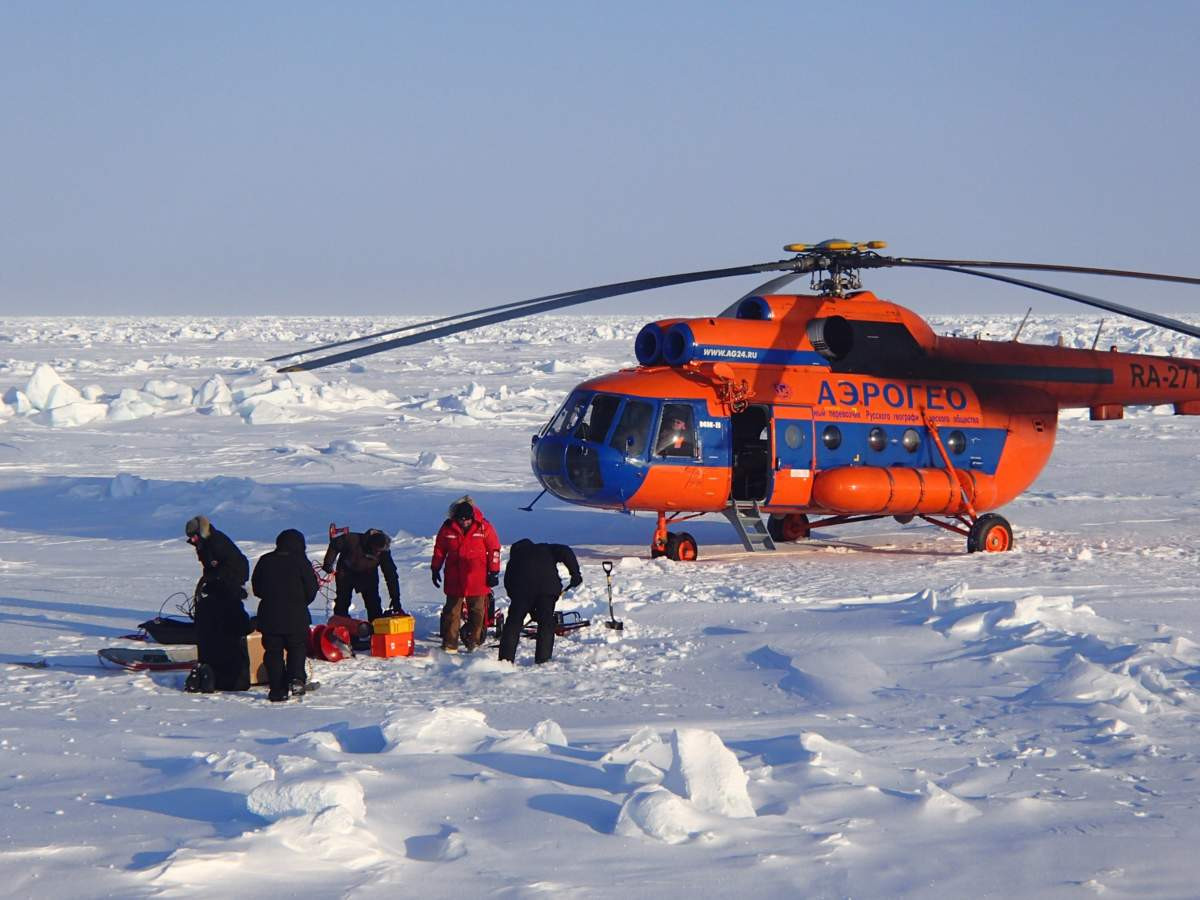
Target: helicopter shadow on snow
[{"x": 253, "y": 512}]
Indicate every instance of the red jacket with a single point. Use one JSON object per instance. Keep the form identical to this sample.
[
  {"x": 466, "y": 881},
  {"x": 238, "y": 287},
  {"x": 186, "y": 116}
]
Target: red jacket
[{"x": 470, "y": 556}]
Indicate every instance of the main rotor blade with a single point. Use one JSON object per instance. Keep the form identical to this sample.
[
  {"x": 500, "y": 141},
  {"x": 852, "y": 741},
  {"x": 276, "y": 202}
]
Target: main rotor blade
[
  {"x": 551, "y": 302},
  {"x": 415, "y": 326},
  {"x": 1033, "y": 267},
  {"x": 1140, "y": 315}
]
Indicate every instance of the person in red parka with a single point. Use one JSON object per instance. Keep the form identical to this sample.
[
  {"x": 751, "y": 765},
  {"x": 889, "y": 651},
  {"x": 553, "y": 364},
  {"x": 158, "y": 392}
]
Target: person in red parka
[{"x": 468, "y": 546}]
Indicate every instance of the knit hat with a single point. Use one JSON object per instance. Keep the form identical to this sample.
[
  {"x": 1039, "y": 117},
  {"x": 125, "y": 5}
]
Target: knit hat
[
  {"x": 198, "y": 525},
  {"x": 375, "y": 541}
]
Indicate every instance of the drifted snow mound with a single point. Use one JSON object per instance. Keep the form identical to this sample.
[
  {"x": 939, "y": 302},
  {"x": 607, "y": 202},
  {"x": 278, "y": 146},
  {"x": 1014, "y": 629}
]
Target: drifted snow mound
[
  {"x": 657, "y": 813},
  {"x": 707, "y": 773},
  {"x": 432, "y": 461},
  {"x": 125, "y": 485},
  {"x": 645, "y": 746},
  {"x": 442, "y": 730},
  {"x": 45, "y": 389},
  {"x": 165, "y": 389},
  {"x": 307, "y": 794},
  {"x": 941, "y": 802},
  {"x": 214, "y": 394},
  {"x": 534, "y": 740},
  {"x": 1083, "y": 683}
]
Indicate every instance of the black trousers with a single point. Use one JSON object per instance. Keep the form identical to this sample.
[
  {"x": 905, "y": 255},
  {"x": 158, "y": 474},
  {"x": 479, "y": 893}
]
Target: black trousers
[
  {"x": 367, "y": 584},
  {"x": 541, "y": 606},
  {"x": 280, "y": 676},
  {"x": 221, "y": 626}
]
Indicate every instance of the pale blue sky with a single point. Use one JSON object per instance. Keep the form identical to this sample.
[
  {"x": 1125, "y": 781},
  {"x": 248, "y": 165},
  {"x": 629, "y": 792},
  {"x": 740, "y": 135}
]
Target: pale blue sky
[{"x": 402, "y": 158}]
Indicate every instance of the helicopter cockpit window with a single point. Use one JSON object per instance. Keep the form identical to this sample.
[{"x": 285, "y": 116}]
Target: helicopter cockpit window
[
  {"x": 677, "y": 433},
  {"x": 568, "y": 417},
  {"x": 597, "y": 418},
  {"x": 633, "y": 430}
]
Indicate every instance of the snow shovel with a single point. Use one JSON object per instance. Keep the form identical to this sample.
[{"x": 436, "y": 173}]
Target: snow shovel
[{"x": 612, "y": 622}]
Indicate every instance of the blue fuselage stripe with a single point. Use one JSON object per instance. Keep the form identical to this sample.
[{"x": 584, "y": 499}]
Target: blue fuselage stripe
[{"x": 762, "y": 355}]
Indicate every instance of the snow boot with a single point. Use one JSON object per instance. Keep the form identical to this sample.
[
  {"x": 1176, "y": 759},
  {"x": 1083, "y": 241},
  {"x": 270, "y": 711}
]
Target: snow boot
[
  {"x": 298, "y": 689},
  {"x": 201, "y": 680}
]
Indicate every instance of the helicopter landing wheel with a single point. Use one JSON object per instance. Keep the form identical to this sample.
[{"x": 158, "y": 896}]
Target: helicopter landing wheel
[
  {"x": 681, "y": 547},
  {"x": 991, "y": 533},
  {"x": 789, "y": 528},
  {"x": 905, "y": 519}
]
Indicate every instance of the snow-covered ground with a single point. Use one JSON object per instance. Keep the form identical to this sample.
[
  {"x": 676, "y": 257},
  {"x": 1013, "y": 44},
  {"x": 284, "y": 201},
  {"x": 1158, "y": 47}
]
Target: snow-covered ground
[{"x": 873, "y": 713}]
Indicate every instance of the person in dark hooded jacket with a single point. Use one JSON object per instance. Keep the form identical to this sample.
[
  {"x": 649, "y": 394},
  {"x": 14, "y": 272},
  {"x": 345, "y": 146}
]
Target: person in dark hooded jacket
[
  {"x": 285, "y": 584},
  {"x": 533, "y": 586},
  {"x": 360, "y": 557},
  {"x": 221, "y": 620}
]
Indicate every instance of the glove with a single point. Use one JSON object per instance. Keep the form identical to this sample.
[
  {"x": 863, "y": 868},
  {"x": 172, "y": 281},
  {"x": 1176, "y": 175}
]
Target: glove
[
  {"x": 437, "y": 579},
  {"x": 396, "y": 609},
  {"x": 576, "y": 581},
  {"x": 328, "y": 570},
  {"x": 493, "y": 579}
]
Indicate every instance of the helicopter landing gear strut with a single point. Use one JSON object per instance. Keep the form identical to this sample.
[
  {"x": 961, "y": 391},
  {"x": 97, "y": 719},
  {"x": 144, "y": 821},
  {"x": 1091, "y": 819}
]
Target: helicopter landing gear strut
[
  {"x": 680, "y": 546},
  {"x": 989, "y": 532}
]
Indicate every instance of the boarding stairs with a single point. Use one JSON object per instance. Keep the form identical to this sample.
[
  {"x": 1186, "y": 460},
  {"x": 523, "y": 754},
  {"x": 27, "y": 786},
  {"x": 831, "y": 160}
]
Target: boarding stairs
[{"x": 747, "y": 520}]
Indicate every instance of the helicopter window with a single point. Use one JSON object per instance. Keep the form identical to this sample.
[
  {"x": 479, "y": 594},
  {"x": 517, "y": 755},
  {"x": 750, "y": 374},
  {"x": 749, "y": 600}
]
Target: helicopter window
[
  {"x": 956, "y": 442},
  {"x": 676, "y": 434},
  {"x": 911, "y": 440},
  {"x": 568, "y": 417},
  {"x": 633, "y": 430},
  {"x": 793, "y": 436},
  {"x": 831, "y": 437},
  {"x": 598, "y": 417},
  {"x": 877, "y": 439}
]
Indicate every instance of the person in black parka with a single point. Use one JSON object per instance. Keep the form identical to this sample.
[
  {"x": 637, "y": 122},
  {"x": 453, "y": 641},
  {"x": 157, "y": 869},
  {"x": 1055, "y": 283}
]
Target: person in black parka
[
  {"x": 533, "y": 586},
  {"x": 359, "y": 559},
  {"x": 221, "y": 620},
  {"x": 285, "y": 584}
]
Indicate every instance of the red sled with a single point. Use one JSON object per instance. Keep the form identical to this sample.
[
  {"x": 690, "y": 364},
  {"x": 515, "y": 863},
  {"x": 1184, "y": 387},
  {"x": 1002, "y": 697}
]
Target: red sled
[{"x": 329, "y": 642}]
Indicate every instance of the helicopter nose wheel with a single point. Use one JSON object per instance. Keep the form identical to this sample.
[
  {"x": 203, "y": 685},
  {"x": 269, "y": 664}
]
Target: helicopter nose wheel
[
  {"x": 681, "y": 547},
  {"x": 990, "y": 532}
]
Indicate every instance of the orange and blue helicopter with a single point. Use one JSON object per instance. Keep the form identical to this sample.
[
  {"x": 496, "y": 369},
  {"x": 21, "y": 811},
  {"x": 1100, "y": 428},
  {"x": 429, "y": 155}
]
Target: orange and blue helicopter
[{"x": 835, "y": 404}]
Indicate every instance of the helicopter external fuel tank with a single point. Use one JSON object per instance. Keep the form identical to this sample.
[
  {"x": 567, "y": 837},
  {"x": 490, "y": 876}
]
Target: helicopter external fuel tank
[{"x": 863, "y": 490}]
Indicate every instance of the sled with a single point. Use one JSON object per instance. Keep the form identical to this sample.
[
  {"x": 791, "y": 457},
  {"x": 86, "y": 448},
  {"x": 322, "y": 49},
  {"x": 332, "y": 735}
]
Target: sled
[
  {"x": 155, "y": 659},
  {"x": 564, "y": 623}
]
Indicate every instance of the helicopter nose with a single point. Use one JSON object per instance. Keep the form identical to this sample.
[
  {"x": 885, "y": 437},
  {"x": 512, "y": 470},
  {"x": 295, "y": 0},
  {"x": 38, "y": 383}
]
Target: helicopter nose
[{"x": 583, "y": 471}]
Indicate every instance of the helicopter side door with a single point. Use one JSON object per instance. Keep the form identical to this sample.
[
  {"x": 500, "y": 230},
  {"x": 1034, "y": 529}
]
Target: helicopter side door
[{"x": 793, "y": 456}]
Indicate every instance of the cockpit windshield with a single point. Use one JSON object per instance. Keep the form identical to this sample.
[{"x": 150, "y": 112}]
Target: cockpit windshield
[
  {"x": 597, "y": 418},
  {"x": 568, "y": 416}
]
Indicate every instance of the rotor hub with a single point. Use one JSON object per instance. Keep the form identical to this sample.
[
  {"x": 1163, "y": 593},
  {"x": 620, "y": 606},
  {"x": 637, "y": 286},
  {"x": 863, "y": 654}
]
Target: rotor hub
[{"x": 835, "y": 263}]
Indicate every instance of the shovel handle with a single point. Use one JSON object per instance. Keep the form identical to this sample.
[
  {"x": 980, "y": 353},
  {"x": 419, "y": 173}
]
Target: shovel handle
[{"x": 607, "y": 566}]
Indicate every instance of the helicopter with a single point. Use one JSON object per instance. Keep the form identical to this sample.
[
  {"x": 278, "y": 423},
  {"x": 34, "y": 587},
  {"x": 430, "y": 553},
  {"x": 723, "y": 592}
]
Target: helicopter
[{"x": 821, "y": 409}]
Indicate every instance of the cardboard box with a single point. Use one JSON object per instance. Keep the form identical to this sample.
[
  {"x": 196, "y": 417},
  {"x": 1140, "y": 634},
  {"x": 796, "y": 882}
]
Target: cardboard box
[
  {"x": 258, "y": 669},
  {"x": 393, "y": 625},
  {"x": 392, "y": 644}
]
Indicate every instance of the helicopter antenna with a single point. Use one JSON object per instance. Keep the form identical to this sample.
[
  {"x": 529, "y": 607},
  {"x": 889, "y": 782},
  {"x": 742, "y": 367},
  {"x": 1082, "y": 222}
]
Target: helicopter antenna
[{"x": 1022, "y": 325}]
